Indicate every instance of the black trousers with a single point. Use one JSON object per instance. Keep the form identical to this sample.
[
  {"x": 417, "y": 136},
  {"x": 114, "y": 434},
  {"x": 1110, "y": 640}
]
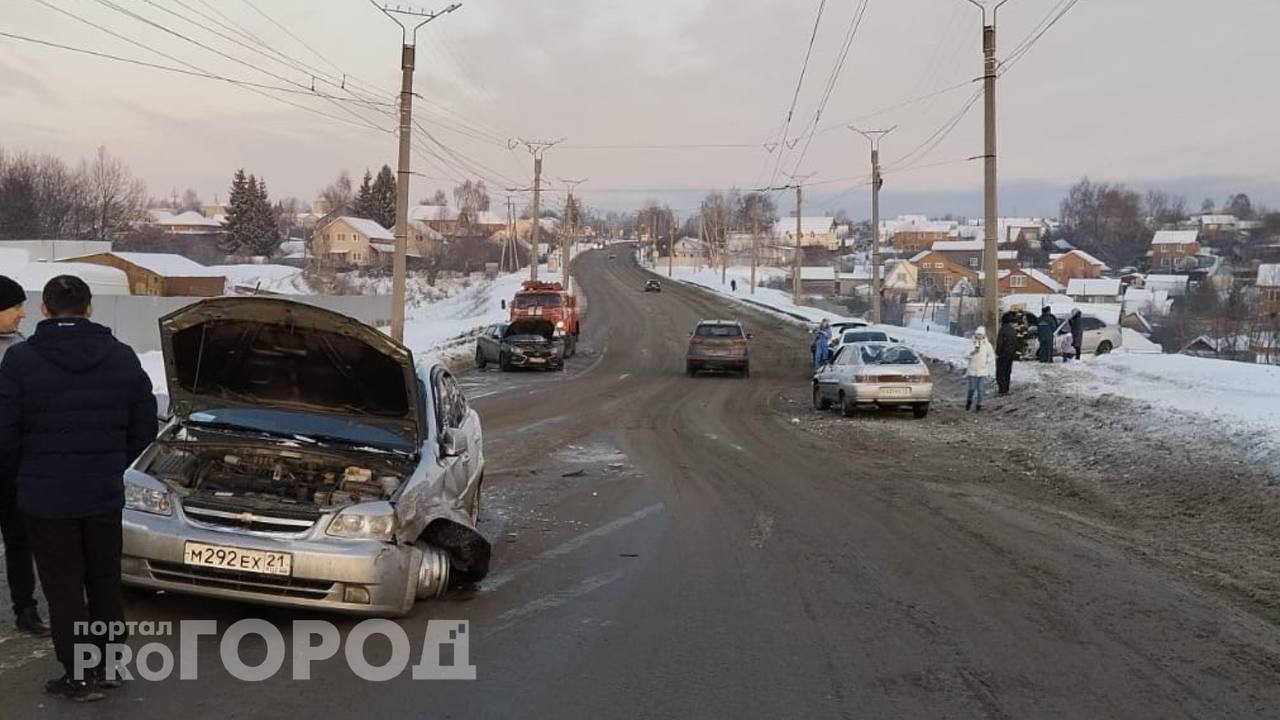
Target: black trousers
[
  {"x": 1004, "y": 370},
  {"x": 79, "y": 564},
  {"x": 19, "y": 566}
]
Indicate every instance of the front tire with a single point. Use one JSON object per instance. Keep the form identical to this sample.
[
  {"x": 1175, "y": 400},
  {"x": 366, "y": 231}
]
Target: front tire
[
  {"x": 820, "y": 402},
  {"x": 504, "y": 362},
  {"x": 1104, "y": 347},
  {"x": 920, "y": 410},
  {"x": 481, "y": 362}
]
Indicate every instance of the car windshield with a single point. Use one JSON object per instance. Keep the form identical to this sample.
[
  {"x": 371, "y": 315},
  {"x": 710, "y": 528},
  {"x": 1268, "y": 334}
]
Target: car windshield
[
  {"x": 288, "y": 423},
  {"x": 856, "y": 336},
  {"x": 888, "y": 355},
  {"x": 719, "y": 331},
  {"x": 526, "y": 300}
]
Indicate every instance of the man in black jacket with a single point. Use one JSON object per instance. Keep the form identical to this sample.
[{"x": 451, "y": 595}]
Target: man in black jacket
[
  {"x": 76, "y": 409},
  {"x": 19, "y": 566},
  {"x": 1006, "y": 351}
]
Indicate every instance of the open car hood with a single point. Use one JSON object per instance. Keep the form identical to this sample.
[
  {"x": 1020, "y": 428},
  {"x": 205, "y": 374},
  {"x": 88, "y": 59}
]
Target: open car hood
[
  {"x": 531, "y": 326},
  {"x": 270, "y": 353}
]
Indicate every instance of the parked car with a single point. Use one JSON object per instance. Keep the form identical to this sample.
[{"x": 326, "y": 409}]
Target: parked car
[
  {"x": 653, "y": 285},
  {"x": 840, "y": 326},
  {"x": 527, "y": 342},
  {"x": 857, "y": 335},
  {"x": 718, "y": 345},
  {"x": 874, "y": 373},
  {"x": 1099, "y": 337},
  {"x": 309, "y": 463}
]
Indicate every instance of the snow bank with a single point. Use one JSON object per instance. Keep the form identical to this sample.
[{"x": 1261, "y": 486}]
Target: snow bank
[{"x": 281, "y": 279}]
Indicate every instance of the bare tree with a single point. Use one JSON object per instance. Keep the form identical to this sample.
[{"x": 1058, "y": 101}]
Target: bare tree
[
  {"x": 472, "y": 198},
  {"x": 1106, "y": 220},
  {"x": 116, "y": 197},
  {"x": 1163, "y": 210},
  {"x": 190, "y": 201},
  {"x": 338, "y": 194}
]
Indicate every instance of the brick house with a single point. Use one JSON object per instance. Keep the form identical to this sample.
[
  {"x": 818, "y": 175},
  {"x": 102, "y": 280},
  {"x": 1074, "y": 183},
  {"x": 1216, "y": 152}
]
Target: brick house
[
  {"x": 162, "y": 274},
  {"x": 1075, "y": 264},
  {"x": 1026, "y": 281},
  {"x": 965, "y": 253},
  {"x": 937, "y": 274},
  {"x": 1268, "y": 291},
  {"x": 1170, "y": 247}
]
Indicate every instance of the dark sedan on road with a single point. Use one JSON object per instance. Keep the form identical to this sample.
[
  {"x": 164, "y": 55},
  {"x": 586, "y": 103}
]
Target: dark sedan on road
[
  {"x": 531, "y": 342},
  {"x": 718, "y": 345},
  {"x": 653, "y": 286}
]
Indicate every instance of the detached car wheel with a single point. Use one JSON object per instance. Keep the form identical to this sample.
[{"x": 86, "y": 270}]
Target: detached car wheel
[{"x": 819, "y": 402}]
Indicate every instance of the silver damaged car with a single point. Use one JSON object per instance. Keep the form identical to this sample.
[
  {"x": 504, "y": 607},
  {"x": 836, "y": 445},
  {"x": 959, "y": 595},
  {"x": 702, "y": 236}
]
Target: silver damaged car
[{"x": 309, "y": 463}]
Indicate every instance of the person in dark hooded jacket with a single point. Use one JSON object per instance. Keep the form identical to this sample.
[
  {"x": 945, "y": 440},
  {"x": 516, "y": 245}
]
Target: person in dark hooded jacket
[
  {"x": 1077, "y": 331},
  {"x": 76, "y": 408},
  {"x": 1047, "y": 326},
  {"x": 1006, "y": 351}
]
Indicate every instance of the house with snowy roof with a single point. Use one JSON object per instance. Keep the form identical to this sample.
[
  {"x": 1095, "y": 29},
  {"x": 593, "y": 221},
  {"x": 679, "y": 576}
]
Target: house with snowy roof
[
  {"x": 815, "y": 231},
  {"x": 1094, "y": 290},
  {"x": 1075, "y": 264},
  {"x": 162, "y": 274},
  {"x": 347, "y": 241},
  {"x": 1169, "y": 248},
  {"x": 1268, "y": 283}
]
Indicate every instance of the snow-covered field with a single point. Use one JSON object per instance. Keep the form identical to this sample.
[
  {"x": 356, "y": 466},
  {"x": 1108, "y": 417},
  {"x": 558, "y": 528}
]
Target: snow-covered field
[{"x": 1238, "y": 394}]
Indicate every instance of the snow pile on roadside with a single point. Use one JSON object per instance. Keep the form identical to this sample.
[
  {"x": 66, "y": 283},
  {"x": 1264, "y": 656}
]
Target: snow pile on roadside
[{"x": 1235, "y": 393}]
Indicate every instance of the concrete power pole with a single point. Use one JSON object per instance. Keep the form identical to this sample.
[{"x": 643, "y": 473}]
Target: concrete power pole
[
  {"x": 990, "y": 285},
  {"x": 798, "y": 184},
  {"x": 569, "y": 228},
  {"x": 408, "y": 43},
  {"x": 755, "y": 239},
  {"x": 536, "y": 149},
  {"x": 874, "y": 136}
]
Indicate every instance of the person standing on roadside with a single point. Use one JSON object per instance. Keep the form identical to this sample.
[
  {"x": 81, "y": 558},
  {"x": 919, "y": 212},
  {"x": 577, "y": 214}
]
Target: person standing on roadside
[
  {"x": 19, "y": 567},
  {"x": 1046, "y": 326},
  {"x": 77, "y": 408},
  {"x": 733, "y": 285},
  {"x": 981, "y": 358},
  {"x": 821, "y": 346},
  {"x": 1006, "y": 351},
  {"x": 1077, "y": 331}
]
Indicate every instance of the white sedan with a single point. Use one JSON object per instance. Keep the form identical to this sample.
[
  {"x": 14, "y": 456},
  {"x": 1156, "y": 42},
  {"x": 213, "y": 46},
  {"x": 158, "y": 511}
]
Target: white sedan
[{"x": 880, "y": 374}]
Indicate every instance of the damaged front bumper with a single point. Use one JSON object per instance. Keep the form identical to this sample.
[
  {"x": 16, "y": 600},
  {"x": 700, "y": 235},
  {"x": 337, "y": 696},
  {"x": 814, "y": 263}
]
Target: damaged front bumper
[{"x": 366, "y": 577}]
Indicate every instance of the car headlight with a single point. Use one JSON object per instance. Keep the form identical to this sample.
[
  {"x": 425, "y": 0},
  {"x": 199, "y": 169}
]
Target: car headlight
[
  {"x": 365, "y": 521},
  {"x": 148, "y": 499},
  {"x": 559, "y": 324}
]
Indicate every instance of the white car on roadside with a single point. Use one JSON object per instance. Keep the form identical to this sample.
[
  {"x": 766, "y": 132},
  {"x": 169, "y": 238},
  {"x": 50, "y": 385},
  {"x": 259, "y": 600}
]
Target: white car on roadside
[{"x": 882, "y": 374}]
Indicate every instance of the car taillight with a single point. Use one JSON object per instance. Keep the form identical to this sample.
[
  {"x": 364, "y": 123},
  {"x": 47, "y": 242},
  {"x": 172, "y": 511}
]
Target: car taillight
[
  {"x": 739, "y": 341},
  {"x": 695, "y": 340},
  {"x": 862, "y": 378}
]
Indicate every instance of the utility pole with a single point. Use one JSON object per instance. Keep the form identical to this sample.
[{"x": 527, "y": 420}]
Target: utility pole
[
  {"x": 874, "y": 137},
  {"x": 671, "y": 249},
  {"x": 798, "y": 184},
  {"x": 408, "y": 43},
  {"x": 568, "y": 227},
  {"x": 990, "y": 285},
  {"x": 755, "y": 235},
  {"x": 536, "y": 149}
]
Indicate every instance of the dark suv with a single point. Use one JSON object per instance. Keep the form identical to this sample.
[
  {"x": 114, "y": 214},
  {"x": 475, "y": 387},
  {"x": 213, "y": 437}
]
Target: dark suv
[{"x": 718, "y": 345}]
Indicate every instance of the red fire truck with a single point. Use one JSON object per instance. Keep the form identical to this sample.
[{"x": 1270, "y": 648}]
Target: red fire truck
[{"x": 550, "y": 300}]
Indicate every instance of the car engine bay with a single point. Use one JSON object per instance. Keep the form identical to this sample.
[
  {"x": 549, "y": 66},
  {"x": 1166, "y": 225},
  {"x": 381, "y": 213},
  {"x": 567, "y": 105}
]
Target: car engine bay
[{"x": 247, "y": 478}]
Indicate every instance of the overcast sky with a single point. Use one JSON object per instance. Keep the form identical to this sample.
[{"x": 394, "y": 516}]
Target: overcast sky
[{"x": 1176, "y": 93}]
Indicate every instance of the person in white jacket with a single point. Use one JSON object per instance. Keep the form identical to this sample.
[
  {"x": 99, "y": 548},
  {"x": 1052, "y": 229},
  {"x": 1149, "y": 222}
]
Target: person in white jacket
[{"x": 982, "y": 358}]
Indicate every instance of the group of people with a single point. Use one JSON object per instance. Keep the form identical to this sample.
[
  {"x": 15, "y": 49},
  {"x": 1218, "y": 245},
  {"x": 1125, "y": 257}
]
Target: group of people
[
  {"x": 76, "y": 409},
  {"x": 982, "y": 358}
]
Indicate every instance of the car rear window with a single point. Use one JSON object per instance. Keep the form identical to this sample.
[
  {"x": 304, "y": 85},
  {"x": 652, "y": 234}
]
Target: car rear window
[
  {"x": 715, "y": 331},
  {"x": 856, "y": 336}
]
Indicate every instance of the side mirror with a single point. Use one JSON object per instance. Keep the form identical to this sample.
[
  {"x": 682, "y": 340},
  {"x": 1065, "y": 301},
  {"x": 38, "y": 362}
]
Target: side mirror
[{"x": 454, "y": 443}]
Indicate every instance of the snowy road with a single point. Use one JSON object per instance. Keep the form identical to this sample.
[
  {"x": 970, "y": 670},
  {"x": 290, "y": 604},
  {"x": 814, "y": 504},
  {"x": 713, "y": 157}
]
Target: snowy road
[{"x": 713, "y": 547}]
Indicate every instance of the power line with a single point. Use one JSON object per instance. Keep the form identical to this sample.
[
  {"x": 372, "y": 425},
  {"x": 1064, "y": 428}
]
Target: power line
[
  {"x": 1030, "y": 41},
  {"x": 795, "y": 97},
  {"x": 833, "y": 78},
  {"x": 168, "y": 68}
]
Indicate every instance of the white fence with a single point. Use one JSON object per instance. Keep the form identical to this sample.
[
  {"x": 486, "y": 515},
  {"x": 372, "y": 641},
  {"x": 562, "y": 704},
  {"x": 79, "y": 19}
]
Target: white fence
[{"x": 135, "y": 319}]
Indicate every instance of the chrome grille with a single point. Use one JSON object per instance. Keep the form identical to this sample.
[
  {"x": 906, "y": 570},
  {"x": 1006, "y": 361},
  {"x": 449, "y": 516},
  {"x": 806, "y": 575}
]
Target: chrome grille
[{"x": 277, "y": 585}]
